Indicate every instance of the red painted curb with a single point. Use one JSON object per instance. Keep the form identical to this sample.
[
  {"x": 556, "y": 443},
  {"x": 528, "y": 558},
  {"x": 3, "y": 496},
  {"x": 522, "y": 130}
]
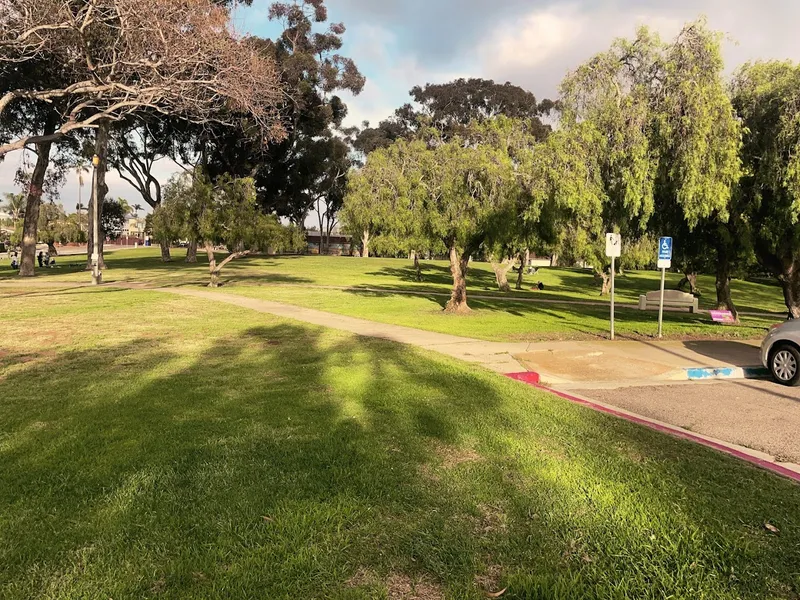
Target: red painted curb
[
  {"x": 528, "y": 377},
  {"x": 679, "y": 433}
]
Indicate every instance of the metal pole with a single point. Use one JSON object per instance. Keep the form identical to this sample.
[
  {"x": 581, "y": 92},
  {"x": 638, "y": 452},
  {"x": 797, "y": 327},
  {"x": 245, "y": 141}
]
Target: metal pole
[
  {"x": 613, "y": 268},
  {"x": 661, "y": 304},
  {"x": 97, "y": 277}
]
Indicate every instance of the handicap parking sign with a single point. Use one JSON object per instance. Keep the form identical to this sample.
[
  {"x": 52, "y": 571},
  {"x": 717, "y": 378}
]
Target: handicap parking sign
[{"x": 665, "y": 248}]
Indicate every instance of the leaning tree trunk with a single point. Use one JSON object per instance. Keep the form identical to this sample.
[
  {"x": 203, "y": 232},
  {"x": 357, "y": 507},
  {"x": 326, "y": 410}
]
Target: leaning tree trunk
[
  {"x": 214, "y": 269},
  {"x": 51, "y": 248},
  {"x": 30, "y": 232},
  {"x": 458, "y": 268},
  {"x": 100, "y": 150},
  {"x": 790, "y": 282},
  {"x": 524, "y": 258},
  {"x": 191, "y": 252},
  {"x": 723, "y": 285},
  {"x": 165, "y": 255},
  {"x": 365, "y": 244},
  {"x": 501, "y": 270},
  {"x": 605, "y": 277}
]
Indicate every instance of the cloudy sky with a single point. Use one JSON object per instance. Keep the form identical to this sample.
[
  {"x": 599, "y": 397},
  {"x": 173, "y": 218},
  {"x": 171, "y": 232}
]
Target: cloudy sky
[{"x": 532, "y": 43}]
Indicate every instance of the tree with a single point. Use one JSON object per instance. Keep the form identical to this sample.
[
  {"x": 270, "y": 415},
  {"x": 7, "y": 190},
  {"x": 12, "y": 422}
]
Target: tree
[
  {"x": 106, "y": 60},
  {"x": 312, "y": 72},
  {"x": 127, "y": 56},
  {"x": 450, "y": 192},
  {"x": 222, "y": 214},
  {"x": 697, "y": 137},
  {"x": 451, "y": 108},
  {"x": 14, "y": 206},
  {"x": 766, "y": 96},
  {"x": 657, "y": 128}
]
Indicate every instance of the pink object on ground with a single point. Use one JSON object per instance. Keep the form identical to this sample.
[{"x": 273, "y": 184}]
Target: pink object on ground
[
  {"x": 527, "y": 377},
  {"x": 533, "y": 379}
]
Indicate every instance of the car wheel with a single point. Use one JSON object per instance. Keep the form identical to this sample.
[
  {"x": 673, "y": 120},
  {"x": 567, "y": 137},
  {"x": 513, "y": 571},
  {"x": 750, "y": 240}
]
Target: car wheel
[{"x": 784, "y": 363}]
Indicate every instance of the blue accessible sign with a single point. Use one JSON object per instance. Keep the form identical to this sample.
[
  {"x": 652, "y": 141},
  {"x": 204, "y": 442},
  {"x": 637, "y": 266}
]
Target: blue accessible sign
[{"x": 665, "y": 248}]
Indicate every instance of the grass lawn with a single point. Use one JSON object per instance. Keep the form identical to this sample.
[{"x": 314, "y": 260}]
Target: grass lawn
[
  {"x": 154, "y": 447},
  {"x": 377, "y": 289},
  {"x": 144, "y": 265}
]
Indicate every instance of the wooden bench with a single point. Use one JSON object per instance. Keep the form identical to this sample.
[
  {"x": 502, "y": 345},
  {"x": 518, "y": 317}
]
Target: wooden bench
[{"x": 672, "y": 299}]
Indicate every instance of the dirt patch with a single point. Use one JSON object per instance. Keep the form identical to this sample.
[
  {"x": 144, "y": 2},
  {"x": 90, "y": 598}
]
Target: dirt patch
[
  {"x": 452, "y": 457},
  {"x": 362, "y": 578},
  {"x": 489, "y": 581},
  {"x": 492, "y": 519},
  {"x": 398, "y": 585},
  {"x": 403, "y": 587}
]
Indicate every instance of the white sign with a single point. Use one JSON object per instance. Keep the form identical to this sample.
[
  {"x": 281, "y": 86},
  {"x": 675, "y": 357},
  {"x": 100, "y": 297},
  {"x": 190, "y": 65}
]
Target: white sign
[
  {"x": 664, "y": 264},
  {"x": 613, "y": 245}
]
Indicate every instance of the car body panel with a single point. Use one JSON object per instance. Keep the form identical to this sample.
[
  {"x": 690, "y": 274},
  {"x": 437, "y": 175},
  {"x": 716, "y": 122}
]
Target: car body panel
[{"x": 785, "y": 332}]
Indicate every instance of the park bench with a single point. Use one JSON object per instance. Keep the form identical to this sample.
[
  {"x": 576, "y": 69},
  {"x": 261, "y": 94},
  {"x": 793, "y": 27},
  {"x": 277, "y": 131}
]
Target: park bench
[{"x": 672, "y": 299}]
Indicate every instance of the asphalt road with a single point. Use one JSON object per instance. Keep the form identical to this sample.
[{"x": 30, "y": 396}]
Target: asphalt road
[{"x": 761, "y": 415}]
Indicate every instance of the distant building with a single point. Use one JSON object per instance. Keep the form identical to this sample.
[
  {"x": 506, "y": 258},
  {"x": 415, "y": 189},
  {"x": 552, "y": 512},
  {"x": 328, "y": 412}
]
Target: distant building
[
  {"x": 132, "y": 232},
  {"x": 338, "y": 243}
]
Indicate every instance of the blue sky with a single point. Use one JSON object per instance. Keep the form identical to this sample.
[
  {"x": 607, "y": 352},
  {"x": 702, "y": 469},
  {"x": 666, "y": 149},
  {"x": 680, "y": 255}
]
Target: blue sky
[{"x": 401, "y": 43}]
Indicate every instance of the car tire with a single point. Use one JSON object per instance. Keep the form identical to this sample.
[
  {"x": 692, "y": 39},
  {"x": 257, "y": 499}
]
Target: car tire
[{"x": 784, "y": 364}]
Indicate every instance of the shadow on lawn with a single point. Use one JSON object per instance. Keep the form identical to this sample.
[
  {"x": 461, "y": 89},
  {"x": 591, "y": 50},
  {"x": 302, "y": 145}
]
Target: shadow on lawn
[
  {"x": 280, "y": 463},
  {"x": 574, "y": 320}
]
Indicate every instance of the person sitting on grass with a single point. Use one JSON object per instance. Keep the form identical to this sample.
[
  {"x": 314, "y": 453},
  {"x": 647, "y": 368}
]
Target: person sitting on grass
[{"x": 14, "y": 261}]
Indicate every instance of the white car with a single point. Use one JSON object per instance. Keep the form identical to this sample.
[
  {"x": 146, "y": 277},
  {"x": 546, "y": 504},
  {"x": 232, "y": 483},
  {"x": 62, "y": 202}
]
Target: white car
[{"x": 780, "y": 352}]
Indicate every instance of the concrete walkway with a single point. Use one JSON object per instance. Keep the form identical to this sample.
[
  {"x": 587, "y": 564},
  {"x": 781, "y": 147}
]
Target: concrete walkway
[
  {"x": 496, "y": 356},
  {"x": 592, "y": 364}
]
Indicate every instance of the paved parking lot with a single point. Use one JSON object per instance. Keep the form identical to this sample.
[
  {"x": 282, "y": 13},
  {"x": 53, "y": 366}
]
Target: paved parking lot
[{"x": 761, "y": 415}]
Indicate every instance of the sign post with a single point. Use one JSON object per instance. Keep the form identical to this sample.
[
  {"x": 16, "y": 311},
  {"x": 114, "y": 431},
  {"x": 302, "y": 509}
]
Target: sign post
[
  {"x": 613, "y": 251},
  {"x": 664, "y": 263}
]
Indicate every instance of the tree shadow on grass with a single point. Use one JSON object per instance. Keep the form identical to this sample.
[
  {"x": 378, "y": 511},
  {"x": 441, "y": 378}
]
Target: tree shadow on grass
[
  {"x": 281, "y": 461},
  {"x": 570, "y": 320}
]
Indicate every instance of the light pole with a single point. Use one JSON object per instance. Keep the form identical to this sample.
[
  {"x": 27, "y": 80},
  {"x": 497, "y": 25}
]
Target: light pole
[{"x": 97, "y": 276}]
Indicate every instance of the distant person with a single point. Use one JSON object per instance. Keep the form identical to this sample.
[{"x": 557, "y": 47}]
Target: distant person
[
  {"x": 14, "y": 261},
  {"x": 40, "y": 258}
]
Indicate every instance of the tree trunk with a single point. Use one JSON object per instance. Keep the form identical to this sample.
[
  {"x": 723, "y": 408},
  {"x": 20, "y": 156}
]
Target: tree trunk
[
  {"x": 524, "y": 259},
  {"x": 165, "y": 255},
  {"x": 365, "y": 244},
  {"x": 212, "y": 266},
  {"x": 30, "y": 232},
  {"x": 51, "y": 248},
  {"x": 554, "y": 260},
  {"x": 723, "y": 285},
  {"x": 605, "y": 290},
  {"x": 458, "y": 268},
  {"x": 100, "y": 150},
  {"x": 501, "y": 270},
  {"x": 191, "y": 252},
  {"x": 790, "y": 282},
  {"x": 417, "y": 267},
  {"x": 689, "y": 279}
]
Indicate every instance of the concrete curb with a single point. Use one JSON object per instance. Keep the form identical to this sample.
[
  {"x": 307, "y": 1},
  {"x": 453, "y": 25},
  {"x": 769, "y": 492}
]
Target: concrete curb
[
  {"x": 717, "y": 373},
  {"x": 759, "y": 459}
]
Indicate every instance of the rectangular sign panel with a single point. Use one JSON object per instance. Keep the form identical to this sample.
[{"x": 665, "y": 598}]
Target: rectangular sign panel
[
  {"x": 665, "y": 248},
  {"x": 613, "y": 245},
  {"x": 722, "y": 316}
]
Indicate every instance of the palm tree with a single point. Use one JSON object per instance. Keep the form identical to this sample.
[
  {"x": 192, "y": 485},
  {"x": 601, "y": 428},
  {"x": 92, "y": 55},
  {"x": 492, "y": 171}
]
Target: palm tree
[
  {"x": 15, "y": 206},
  {"x": 137, "y": 208}
]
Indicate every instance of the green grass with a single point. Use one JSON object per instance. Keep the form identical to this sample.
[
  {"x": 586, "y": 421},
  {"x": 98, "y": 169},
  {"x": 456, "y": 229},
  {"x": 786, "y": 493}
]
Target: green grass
[
  {"x": 158, "y": 447},
  {"x": 381, "y": 290},
  {"x": 144, "y": 265},
  {"x": 500, "y": 320}
]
